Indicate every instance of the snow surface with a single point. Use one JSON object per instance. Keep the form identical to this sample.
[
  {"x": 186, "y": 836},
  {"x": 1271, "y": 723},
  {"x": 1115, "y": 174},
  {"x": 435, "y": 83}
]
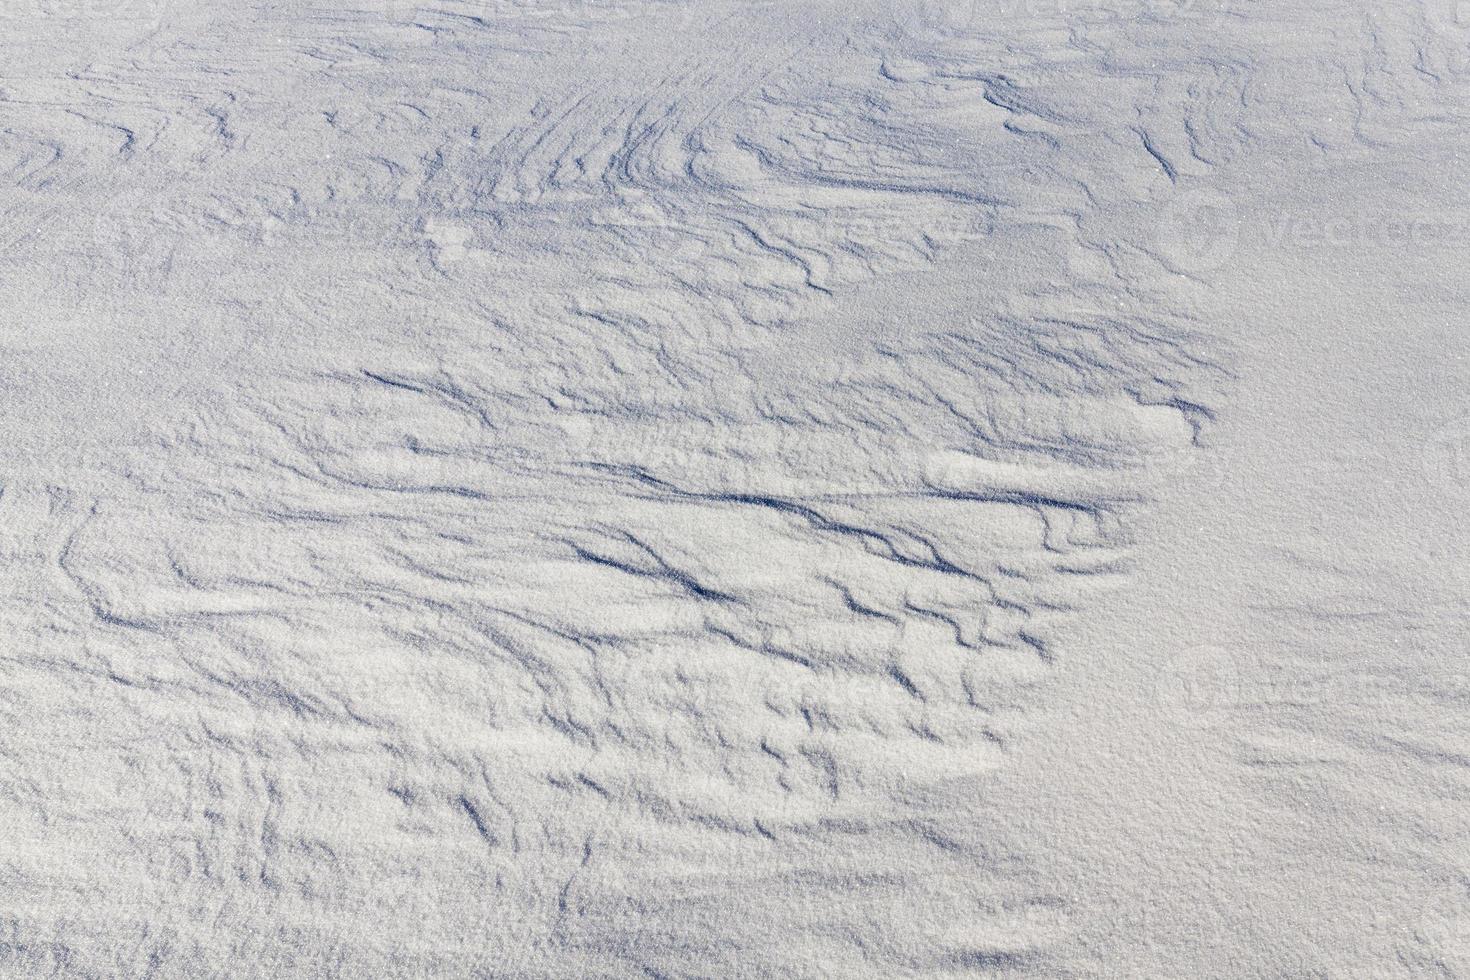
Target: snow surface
[{"x": 657, "y": 488}]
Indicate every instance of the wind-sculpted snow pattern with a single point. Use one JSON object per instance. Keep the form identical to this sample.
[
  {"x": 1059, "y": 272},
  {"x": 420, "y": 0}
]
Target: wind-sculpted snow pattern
[{"x": 707, "y": 489}]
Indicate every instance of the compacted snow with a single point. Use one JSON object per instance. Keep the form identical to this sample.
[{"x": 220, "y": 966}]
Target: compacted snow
[{"x": 714, "y": 488}]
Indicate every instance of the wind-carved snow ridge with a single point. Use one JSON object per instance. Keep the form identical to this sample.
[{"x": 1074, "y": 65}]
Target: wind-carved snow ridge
[{"x": 577, "y": 534}]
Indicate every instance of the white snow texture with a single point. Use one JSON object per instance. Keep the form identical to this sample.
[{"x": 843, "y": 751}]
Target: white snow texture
[{"x": 734, "y": 488}]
